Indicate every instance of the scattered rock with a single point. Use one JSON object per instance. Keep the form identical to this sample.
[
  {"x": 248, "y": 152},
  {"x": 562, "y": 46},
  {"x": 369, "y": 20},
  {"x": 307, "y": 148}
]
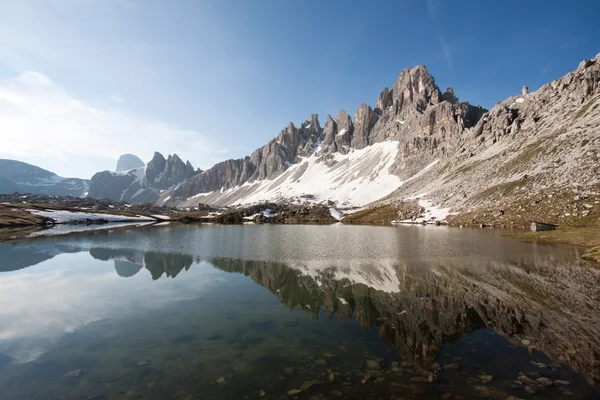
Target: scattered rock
[
  {"x": 531, "y": 389},
  {"x": 498, "y": 213},
  {"x": 417, "y": 389},
  {"x": 331, "y": 376},
  {"x": 262, "y": 393},
  {"x": 97, "y": 396},
  {"x": 419, "y": 379},
  {"x": 289, "y": 370},
  {"x": 221, "y": 380},
  {"x": 526, "y": 380},
  {"x": 74, "y": 373},
  {"x": 451, "y": 367},
  {"x": 308, "y": 384},
  {"x": 525, "y": 342},
  {"x": 485, "y": 378},
  {"x": 489, "y": 392},
  {"x": 142, "y": 363},
  {"x": 321, "y": 362},
  {"x": 365, "y": 378},
  {"x": 293, "y": 392},
  {"x": 337, "y": 393},
  {"x": 563, "y": 383},
  {"x": 373, "y": 364},
  {"x": 544, "y": 381}
]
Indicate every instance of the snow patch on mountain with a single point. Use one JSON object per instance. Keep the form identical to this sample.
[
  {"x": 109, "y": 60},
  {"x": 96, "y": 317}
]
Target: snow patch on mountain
[{"x": 356, "y": 178}]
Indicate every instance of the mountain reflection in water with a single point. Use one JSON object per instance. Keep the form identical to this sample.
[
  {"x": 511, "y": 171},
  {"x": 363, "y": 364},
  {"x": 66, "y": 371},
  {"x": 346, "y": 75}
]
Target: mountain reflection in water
[{"x": 542, "y": 300}]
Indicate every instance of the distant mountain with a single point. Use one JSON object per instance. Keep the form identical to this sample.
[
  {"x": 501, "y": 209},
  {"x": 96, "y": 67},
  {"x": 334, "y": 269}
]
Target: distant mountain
[
  {"x": 143, "y": 184},
  {"x": 20, "y": 177},
  {"x": 128, "y": 162}
]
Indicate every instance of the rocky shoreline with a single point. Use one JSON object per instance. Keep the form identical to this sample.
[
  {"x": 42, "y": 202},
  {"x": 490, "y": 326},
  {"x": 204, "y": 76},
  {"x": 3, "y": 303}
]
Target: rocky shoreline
[{"x": 576, "y": 214}]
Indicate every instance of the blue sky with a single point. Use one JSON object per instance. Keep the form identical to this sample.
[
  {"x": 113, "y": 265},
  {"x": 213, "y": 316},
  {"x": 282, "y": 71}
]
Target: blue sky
[{"x": 84, "y": 81}]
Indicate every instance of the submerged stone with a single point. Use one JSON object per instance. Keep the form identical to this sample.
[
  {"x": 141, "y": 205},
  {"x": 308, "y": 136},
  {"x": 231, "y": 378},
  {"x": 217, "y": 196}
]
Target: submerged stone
[{"x": 74, "y": 373}]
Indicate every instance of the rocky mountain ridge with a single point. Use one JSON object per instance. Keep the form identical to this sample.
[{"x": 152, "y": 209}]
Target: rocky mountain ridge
[
  {"x": 421, "y": 143},
  {"x": 422, "y": 122}
]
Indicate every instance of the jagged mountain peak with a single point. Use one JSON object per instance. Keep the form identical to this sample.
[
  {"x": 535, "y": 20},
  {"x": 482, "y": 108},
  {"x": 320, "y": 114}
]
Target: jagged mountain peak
[{"x": 158, "y": 157}]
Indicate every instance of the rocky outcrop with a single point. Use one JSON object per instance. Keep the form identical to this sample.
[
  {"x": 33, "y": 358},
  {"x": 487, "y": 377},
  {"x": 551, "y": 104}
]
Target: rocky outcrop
[
  {"x": 164, "y": 173},
  {"x": 267, "y": 162},
  {"x": 128, "y": 162},
  {"x": 20, "y": 177},
  {"x": 525, "y": 144}
]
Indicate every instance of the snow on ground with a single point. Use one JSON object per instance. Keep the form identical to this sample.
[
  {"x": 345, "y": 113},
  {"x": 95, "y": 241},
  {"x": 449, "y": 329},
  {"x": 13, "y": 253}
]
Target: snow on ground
[
  {"x": 432, "y": 213},
  {"x": 356, "y": 178},
  {"x": 165, "y": 200},
  {"x": 65, "y": 229},
  {"x": 340, "y": 133},
  {"x": 165, "y": 217},
  {"x": 335, "y": 213},
  {"x": 139, "y": 191},
  {"x": 62, "y": 216},
  {"x": 350, "y": 180},
  {"x": 343, "y": 301}
]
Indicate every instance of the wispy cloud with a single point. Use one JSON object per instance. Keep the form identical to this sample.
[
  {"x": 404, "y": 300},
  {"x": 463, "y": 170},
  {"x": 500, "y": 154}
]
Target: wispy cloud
[
  {"x": 446, "y": 51},
  {"x": 44, "y": 125},
  {"x": 433, "y": 8}
]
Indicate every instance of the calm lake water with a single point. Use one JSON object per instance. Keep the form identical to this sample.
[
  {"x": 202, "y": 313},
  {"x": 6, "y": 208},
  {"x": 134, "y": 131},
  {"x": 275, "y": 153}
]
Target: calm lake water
[{"x": 280, "y": 312}]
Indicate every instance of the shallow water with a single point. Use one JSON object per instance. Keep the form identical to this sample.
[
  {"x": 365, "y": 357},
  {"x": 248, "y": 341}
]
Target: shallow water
[{"x": 233, "y": 312}]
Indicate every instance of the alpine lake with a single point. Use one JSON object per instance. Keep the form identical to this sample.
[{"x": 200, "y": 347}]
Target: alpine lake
[{"x": 296, "y": 312}]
